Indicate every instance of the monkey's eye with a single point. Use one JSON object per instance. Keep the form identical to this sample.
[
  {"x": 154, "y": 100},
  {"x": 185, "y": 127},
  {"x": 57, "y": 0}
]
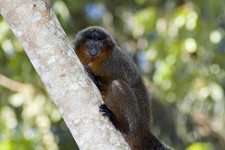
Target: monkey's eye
[
  {"x": 98, "y": 43},
  {"x": 90, "y": 43}
]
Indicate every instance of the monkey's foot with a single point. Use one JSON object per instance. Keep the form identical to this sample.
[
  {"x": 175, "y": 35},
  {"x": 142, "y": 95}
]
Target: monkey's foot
[{"x": 107, "y": 112}]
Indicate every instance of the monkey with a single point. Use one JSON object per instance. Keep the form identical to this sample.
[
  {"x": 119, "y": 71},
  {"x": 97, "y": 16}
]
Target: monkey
[{"x": 126, "y": 100}]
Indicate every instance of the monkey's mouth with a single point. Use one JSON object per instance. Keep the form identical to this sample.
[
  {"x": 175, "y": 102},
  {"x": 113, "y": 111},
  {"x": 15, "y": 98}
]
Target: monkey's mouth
[{"x": 93, "y": 52}]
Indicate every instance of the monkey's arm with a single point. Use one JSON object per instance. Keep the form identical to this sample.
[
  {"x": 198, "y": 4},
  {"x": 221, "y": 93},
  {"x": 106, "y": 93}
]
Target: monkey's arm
[{"x": 92, "y": 76}]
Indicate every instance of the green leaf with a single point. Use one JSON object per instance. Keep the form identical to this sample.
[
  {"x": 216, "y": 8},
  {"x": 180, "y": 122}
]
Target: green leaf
[{"x": 200, "y": 146}]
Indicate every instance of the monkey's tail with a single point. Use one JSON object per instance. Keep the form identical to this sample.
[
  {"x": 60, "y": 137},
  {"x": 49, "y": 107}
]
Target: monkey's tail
[
  {"x": 146, "y": 141},
  {"x": 152, "y": 143}
]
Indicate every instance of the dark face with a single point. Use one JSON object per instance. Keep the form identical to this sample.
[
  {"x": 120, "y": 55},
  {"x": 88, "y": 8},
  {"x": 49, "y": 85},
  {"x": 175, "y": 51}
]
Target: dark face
[{"x": 94, "y": 43}]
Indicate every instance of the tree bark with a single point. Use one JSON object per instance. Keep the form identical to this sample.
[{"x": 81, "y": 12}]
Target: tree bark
[{"x": 48, "y": 48}]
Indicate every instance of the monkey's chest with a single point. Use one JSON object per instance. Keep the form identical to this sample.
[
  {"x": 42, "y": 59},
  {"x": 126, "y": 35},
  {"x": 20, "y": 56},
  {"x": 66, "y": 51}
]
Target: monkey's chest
[{"x": 95, "y": 67}]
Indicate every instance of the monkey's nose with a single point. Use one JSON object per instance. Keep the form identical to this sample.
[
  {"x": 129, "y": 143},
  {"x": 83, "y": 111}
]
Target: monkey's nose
[{"x": 93, "y": 52}]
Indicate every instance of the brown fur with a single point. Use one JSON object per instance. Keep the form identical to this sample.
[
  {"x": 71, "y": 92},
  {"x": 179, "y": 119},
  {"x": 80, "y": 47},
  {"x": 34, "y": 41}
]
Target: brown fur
[{"x": 94, "y": 63}]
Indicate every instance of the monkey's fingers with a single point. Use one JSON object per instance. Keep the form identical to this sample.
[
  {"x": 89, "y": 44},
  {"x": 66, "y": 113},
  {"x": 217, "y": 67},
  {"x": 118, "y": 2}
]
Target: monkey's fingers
[
  {"x": 104, "y": 108},
  {"x": 107, "y": 112},
  {"x": 89, "y": 71},
  {"x": 91, "y": 75}
]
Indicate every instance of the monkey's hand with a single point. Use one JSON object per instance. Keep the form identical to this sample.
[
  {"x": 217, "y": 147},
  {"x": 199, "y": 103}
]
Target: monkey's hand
[
  {"x": 107, "y": 112},
  {"x": 91, "y": 75}
]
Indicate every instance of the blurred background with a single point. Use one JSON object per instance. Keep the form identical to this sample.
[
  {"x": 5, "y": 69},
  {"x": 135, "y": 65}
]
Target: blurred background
[{"x": 178, "y": 45}]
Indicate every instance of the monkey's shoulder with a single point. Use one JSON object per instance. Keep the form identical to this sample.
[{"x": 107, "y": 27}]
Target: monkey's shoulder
[{"x": 121, "y": 66}]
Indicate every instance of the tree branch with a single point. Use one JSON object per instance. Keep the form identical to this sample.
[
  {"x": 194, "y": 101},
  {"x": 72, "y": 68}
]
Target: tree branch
[
  {"x": 15, "y": 86},
  {"x": 48, "y": 48}
]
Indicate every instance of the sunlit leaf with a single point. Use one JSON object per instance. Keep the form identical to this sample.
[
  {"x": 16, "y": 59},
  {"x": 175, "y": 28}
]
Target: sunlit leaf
[
  {"x": 6, "y": 145},
  {"x": 200, "y": 146}
]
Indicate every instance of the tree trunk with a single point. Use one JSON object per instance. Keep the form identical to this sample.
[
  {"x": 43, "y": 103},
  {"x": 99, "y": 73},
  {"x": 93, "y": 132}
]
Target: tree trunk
[{"x": 48, "y": 48}]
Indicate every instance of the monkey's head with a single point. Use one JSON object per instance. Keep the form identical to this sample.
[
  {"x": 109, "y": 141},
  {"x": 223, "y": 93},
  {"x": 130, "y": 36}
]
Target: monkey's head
[{"x": 93, "y": 41}]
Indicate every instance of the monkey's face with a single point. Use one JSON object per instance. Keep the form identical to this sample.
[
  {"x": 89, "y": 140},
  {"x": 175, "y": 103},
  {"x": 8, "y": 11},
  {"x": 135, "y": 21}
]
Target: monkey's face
[
  {"x": 94, "y": 43},
  {"x": 93, "y": 46}
]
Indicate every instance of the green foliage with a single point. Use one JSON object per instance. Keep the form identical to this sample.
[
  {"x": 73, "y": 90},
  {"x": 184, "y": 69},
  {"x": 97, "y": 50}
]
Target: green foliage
[
  {"x": 144, "y": 21},
  {"x": 200, "y": 146},
  {"x": 179, "y": 47}
]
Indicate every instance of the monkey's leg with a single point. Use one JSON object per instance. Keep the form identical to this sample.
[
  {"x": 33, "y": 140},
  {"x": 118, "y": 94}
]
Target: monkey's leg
[{"x": 121, "y": 107}]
